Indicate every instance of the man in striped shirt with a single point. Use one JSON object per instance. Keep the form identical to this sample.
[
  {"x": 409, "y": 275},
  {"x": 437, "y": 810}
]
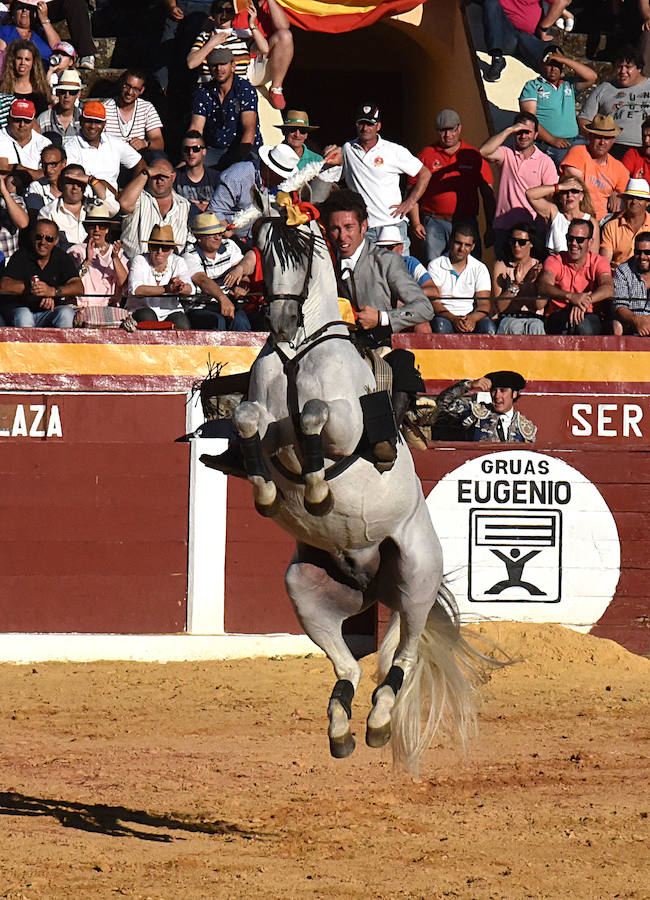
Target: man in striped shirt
[
  {"x": 159, "y": 204},
  {"x": 631, "y": 285},
  {"x": 131, "y": 118}
]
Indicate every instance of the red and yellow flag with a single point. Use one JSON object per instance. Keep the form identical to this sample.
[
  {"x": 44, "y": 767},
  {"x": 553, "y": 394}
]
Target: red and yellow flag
[{"x": 337, "y": 16}]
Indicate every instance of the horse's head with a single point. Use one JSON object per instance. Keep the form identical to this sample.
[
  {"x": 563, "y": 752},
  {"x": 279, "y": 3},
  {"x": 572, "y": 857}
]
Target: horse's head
[{"x": 288, "y": 253}]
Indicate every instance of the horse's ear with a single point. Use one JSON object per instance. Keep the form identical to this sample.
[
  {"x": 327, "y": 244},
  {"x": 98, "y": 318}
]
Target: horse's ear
[
  {"x": 304, "y": 194},
  {"x": 257, "y": 199}
]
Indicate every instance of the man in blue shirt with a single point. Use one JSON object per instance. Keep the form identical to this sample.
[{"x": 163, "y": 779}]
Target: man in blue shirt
[
  {"x": 552, "y": 99},
  {"x": 225, "y": 112}
]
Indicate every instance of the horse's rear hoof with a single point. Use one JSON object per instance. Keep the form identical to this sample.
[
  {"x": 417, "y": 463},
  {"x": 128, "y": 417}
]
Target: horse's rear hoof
[
  {"x": 340, "y": 747},
  {"x": 378, "y": 737},
  {"x": 322, "y": 508}
]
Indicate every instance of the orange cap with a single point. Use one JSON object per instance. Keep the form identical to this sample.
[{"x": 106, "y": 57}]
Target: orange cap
[{"x": 93, "y": 109}]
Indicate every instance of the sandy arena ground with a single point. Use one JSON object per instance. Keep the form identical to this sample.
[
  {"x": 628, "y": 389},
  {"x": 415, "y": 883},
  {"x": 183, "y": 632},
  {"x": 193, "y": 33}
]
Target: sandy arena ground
[{"x": 214, "y": 780}]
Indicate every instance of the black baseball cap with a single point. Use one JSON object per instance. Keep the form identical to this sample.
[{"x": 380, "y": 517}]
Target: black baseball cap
[{"x": 367, "y": 112}]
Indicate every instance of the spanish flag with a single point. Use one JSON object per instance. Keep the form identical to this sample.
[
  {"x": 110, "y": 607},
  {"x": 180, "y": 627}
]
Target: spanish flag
[{"x": 337, "y": 16}]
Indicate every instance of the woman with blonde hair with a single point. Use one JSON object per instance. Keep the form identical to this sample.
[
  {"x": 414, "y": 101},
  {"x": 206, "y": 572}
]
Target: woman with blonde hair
[
  {"x": 558, "y": 204},
  {"x": 23, "y": 75}
]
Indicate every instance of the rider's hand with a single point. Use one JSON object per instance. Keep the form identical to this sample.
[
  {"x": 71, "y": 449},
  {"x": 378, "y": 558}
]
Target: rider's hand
[{"x": 368, "y": 317}]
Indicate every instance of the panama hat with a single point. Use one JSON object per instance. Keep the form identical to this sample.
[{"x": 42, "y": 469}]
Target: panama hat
[
  {"x": 163, "y": 235},
  {"x": 603, "y": 126},
  {"x": 281, "y": 159},
  {"x": 389, "y": 235},
  {"x": 297, "y": 118},
  {"x": 100, "y": 215},
  {"x": 208, "y": 223},
  {"x": 69, "y": 80},
  {"x": 637, "y": 187}
]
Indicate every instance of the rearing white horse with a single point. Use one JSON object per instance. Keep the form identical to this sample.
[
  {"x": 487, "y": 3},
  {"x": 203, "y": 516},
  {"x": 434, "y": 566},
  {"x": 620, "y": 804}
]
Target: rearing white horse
[{"x": 361, "y": 536}]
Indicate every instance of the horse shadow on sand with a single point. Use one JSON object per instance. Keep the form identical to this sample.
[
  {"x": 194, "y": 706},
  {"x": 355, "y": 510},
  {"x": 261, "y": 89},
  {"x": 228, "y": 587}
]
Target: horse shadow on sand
[{"x": 118, "y": 821}]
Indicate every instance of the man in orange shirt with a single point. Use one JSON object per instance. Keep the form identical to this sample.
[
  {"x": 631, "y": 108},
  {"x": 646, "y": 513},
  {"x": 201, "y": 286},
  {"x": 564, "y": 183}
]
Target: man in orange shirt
[
  {"x": 574, "y": 281},
  {"x": 605, "y": 176},
  {"x": 458, "y": 176},
  {"x": 617, "y": 239}
]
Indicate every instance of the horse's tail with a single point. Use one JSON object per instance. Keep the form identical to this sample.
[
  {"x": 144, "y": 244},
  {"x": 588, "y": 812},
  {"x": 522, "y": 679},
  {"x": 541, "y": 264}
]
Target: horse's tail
[{"x": 440, "y": 694}]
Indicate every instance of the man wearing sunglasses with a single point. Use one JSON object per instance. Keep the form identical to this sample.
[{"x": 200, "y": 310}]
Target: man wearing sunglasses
[
  {"x": 44, "y": 281},
  {"x": 194, "y": 181},
  {"x": 296, "y": 129},
  {"x": 70, "y": 209},
  {"x": 64, "y": 118},
  {"x": 632, "y": 290},
  {"x": 574, "y": 281},
  {"x": 45, "y": 189}
]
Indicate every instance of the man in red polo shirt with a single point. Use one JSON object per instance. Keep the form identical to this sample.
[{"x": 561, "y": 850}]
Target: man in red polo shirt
[
  {"x": 574, "y": 281},
  {"x": 458, "y": 175},
  {"x": 637, "y": 159}
]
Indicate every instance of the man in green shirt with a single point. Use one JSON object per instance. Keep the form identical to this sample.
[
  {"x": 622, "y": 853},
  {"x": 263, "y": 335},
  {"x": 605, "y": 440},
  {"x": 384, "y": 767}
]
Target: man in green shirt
[
  {"x": 295, "y": 129},
  {"x": 552, "y": 99}
]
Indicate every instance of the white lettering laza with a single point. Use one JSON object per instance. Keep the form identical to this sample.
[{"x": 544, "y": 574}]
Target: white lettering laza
[{"x": 35, "y": 420}]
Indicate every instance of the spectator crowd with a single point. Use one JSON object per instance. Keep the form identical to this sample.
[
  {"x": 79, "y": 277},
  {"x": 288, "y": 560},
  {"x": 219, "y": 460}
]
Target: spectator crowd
[{"x": 101, "y": 222}]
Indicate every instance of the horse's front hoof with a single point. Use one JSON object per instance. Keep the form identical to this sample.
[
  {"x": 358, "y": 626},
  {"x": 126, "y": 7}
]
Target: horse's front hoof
[
  {"x": 378, "y": 737},
  {"x": 340, "y": 747},
  {"x": 320, "y": 509},
  {"x": 270, "y": 509}
]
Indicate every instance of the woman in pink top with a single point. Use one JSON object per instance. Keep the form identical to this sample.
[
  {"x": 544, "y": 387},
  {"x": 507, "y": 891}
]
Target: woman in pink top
[{"x": 103, "y": 265}]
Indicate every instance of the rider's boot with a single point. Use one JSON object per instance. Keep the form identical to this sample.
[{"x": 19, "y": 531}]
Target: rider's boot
[
  {"x": 230, "y": 462},
  {"x": 406, "y": 421}
]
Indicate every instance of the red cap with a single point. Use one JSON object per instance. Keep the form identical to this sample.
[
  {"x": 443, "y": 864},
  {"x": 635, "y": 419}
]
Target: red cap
[
  {"x": 22, "y": 109},
  {"x": 93, "y": 109}
]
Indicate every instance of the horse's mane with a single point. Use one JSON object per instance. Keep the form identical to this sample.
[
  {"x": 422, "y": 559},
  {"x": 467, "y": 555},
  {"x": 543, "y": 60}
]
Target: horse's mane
[{"x": 289, "y": 243}]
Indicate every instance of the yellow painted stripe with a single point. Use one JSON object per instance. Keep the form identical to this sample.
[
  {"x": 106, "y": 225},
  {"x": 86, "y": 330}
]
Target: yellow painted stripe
[
  {"x": 192, "y": 361},
  {"x": 535, "y": 365},
  {"x": 320, "y": 8},
  {"x": 121, "y": 359}
]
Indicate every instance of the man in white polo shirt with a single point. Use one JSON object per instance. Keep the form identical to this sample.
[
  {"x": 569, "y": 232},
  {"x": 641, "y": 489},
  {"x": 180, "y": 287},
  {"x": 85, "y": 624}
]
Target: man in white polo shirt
[
  {"x": 101, "y": 154},
  {"x": 373, "y": 166},
  {"x": 465, "y": 287},
  {"x": 19, "y": 142}
]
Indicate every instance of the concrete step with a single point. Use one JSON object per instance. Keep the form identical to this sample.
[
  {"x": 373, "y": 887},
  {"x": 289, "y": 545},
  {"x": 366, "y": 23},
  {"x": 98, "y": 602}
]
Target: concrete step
[{"x": 99, "y": 82}]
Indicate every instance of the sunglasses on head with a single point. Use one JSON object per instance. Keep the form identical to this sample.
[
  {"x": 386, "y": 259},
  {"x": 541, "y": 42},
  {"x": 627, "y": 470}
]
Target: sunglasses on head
[
  {"x": 195, "y": 148},
  {"x": 520, "y": 242},
  {"x": 574, "y": 239},
  {"x": 45, "y": 237}
]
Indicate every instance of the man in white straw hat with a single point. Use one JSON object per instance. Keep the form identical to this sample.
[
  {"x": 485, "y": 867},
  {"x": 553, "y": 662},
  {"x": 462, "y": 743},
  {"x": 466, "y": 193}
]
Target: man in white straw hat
[
  {"x": 233, "y": 194},
  {"x": 605, "y": 176},
  {"x": 64, "y": 117},
  {"x": 617, "y": 239}
]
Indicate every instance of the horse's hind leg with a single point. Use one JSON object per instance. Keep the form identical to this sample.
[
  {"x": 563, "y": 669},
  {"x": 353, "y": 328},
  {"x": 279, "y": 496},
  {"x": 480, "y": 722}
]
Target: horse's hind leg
[
  {"x": 322, "y": 604},
  {"x": 412, "y": 565},
  {"x": 249, "y": 417},
  {"x": 318, "y": 496}
]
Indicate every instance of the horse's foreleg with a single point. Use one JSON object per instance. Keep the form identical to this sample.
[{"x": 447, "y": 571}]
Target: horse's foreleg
[
  {"x": 322, "y": 604},
  {"x": 318, "y": 496},
  {"x": 250, "y": 418}
]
